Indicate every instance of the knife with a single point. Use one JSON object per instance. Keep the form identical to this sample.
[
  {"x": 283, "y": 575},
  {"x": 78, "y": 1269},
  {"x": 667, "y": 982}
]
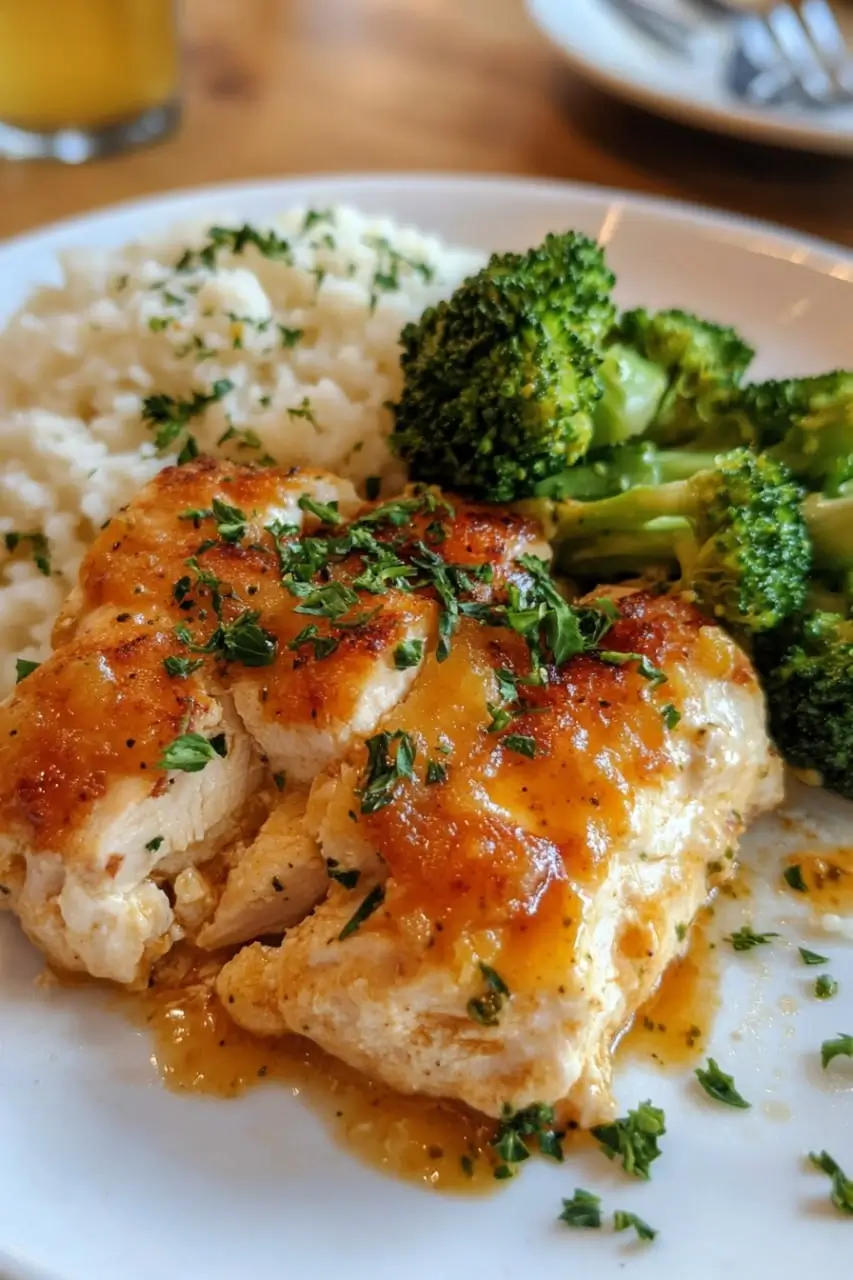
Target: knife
[{"x": 666, "y": 32}]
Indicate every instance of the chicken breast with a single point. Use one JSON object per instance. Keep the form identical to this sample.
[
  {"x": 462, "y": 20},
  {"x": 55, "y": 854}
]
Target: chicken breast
[
  {"x": 93, "y": 822},
  {"x": 518, "y": 883},
  {"x": 143, "y": 551},
  {"x": 88, "y": 809},
  {"x": 274, "y": 884},
  {"x": 233, "y": 628}
]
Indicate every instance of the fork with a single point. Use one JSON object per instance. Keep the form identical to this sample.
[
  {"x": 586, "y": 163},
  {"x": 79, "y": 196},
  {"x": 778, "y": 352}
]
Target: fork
[{"x": 799, "y": 42}]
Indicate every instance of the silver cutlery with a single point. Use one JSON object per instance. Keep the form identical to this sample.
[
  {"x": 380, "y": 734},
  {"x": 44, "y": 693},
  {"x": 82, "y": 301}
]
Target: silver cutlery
[
  {"x": 787, "y": 52},
  {"x": 661, "y": 28}
]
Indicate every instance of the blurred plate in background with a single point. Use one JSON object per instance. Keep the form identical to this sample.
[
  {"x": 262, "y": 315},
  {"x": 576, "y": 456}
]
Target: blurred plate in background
[{"x": 665, "y": 56}]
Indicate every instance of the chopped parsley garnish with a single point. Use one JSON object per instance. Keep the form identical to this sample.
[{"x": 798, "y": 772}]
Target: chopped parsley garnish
[
  {"x": 389, "y": 261},
  {"x": 535, "y": 1121},
  {"x": 633, "y": 1139},
  {"x": 746, "y": 938},
  {"x": 622, "y": 1220},
  {"x": 435, "y": 772},
  {"x": 180, "y": 668},
  {"x": 370, "y": 904},
  {"x": 315, "y": 216},
  {"x": 486, "y": 1009},
  {"x": 501, "y": 719},
  {"x": 235, "y": 240},
  {"x": 812, "y": 957},
  {"x": 840, "y": 1047},
  {"x": 38, "y": 544},
  {"x": 168, "y": 417},
  {"x": 332, "y": 600},
  {"x": 408, "y": 654},
  {"x": 304, "y": 410},
  {"x": 583, "y": 1210},
  {"x": 242, "y": 640},
  {"x": 646, "y": 668},
  {"x": 326, "y": 512},
  {"x": 670, "y": 715},
  {"x": 245, "y": 641},
  {"x": 231, "y": 522},
  {"x": 189, "y": 451},
  {"x": 825, "y": 986},
  {"x": 383, "y": 771},
  {"x": 323, "y": 645},
  {"x": 190, "y": 752},
  {"x": 349, "y": 879},
  {"x": 793, "y": 876},
  {"x": 507, "y": 684},
  {"x": 153, "y": 845},
  {"x": 841, "y": 1193},
  {"x": 520, "y": 742},
  {"x": 289, "y": 337},
  {"x": 720, "y": 1086},
  {"x": 566, "y": 631},
  {"x": 24, "y": 668}
]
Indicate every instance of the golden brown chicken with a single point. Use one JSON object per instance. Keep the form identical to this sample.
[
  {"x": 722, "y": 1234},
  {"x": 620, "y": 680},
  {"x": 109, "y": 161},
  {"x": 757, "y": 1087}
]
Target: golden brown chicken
[
  {"x": 508, "y": 895},
  {"x": 230, "y": 633}
]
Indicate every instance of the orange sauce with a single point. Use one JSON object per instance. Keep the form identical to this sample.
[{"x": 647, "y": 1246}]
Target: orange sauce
[
  {"x": 828, "y": 874},
  {"x": 198, "y": 1049},
  {"x": 674, "y": 1025}
]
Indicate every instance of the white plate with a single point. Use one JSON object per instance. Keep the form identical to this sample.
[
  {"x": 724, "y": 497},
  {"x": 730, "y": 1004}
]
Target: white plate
[
  {"x": 105, "y": 1174},
  {"x": 604, "y": 47}
]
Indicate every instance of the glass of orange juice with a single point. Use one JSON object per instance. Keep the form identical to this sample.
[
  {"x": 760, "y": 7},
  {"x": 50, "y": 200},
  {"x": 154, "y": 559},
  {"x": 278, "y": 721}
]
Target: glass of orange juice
[{"x": 84, "y": 78}]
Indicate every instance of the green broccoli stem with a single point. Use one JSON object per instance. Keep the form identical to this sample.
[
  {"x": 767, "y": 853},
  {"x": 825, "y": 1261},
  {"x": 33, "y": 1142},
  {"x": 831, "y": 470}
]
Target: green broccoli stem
[
  {"x": 830, "y": 526},
  {"x": 622, "y": 468},
  {"x": 660, "y": 549},
  {"x": 626, "y": 513}
]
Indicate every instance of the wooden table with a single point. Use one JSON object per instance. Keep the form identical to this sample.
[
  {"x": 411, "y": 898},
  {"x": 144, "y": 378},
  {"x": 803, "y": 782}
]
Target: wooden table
[{"x": 279, "y": 87}]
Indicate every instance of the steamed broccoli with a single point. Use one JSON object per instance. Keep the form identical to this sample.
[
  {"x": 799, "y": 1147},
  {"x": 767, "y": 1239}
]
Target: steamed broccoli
[
  {"x": 736, "y": 531},
  {"x": 703, "y": 364},
  {"x": 606, "y": 472},
  {"x": 808, "y": 424},
  {"x": 805, "y": 423},
  {"x": 809, "y": 687},
  {"x": 830, "y": 522},
  {"x": 632, "y": 389},
  {"x": 500, "y": 381}
]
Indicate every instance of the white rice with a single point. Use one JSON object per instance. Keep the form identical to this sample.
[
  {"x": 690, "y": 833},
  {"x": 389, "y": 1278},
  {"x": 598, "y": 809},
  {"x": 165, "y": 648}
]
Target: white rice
[{"x": 77, "y": 361}]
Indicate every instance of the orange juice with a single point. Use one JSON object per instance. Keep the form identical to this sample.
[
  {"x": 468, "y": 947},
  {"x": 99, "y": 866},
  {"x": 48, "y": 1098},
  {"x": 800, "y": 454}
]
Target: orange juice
[{"x": 85, "y": 63}]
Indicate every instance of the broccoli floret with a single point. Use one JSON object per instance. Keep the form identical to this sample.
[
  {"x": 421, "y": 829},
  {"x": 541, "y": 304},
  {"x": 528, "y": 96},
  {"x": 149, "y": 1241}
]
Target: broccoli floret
[
  {"x": 500, "y": 381},
  {"x": 703, "y": 364},
  {"x": 632, "y": 391},
  {"x": 736, "y": 531},
  {"x": 809, "y": 687},
  {"x": 830, "y": 522},
  {"x": 808, "y": 422}
]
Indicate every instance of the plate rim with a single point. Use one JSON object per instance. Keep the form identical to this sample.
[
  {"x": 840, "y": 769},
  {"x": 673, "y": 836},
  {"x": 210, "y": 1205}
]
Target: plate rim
[
  {"x": 741, "y": 122},
  {"x": 824, "y": 255},
  {"x": 812, "y": 253}
]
